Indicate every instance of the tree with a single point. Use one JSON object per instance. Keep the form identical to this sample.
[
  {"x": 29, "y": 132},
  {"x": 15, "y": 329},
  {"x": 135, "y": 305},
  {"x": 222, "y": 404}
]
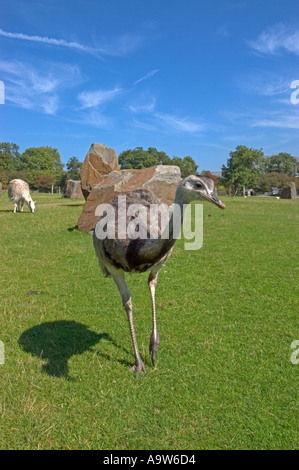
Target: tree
[
  {"x": 275, "y": 180},
  {"x": 9, "y": 155},
  {"x": 44, "y": 182},
  {"x": 139, "y": 158},
  {"x": 4, "y": 179},
  {"x": 41, "y": 161},
  {"x": 187, "y": 165},
  {"x": 244, "y": 168},
  {"x": 9, "y": 161},
  {"x": 161, "y": 157},
  {"x": 73, "y": 168},
  {"x": 281, "y": 163}
]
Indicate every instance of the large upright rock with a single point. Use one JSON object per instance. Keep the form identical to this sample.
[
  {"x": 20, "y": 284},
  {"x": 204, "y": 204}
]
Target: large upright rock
[
  {"x": 99, "y": 162},
  {"x": 289, "y": 191},
  {"x": 73, "y": 189},
  {"x": 161, "y": 180},
  {"x": 0, "y": 189}
]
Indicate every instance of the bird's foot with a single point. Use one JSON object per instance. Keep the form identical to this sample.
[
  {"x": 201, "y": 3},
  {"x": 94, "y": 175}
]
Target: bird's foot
[
  {"x": 138, "y": 367},
  {"x": 153, "y": 346}
]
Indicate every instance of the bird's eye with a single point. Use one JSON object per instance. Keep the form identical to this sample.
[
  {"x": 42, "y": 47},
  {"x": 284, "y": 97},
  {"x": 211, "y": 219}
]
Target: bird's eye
[{"x": 199, "y": 185}]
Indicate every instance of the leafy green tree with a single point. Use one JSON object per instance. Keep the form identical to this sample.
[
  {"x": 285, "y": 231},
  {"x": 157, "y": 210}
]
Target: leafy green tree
[
  {"x": 38, "y": 161},
  {"x": 187, "y": 165},
  {"x": 244, "y": 168},
  {"x": 73, "y": 168},
  {"x": 161, "y": 157},
  {"x": 281, "y": 163},
  {"x": 4, "y": 179},
  {"x": 137, "y": 158},
  {"x": 9, "y": 163},
  {"x": 275, "y": 180},
  {"x": 140, "y": 158},
  {"x": 44, "y": 182},
  {"x": 9, "y": 155}
]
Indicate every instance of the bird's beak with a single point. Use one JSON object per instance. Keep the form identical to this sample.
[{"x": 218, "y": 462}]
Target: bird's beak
[{"x": 212, "y": 197}]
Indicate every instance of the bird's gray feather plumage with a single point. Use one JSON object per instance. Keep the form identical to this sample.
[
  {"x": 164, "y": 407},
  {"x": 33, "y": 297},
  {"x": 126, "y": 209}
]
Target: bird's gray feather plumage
[{"x": 129, "y": 255}]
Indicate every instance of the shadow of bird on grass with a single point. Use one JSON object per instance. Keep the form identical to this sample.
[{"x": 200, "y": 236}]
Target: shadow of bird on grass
[{"x": 56, "y": 342}]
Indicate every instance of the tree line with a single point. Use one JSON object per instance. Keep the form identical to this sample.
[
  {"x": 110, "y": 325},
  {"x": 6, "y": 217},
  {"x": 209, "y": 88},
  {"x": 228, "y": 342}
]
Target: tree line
[
  {"x": 139, "y": 158},
  {"x": 250, "y": 168},
  {"x": 42, "y": 168}
]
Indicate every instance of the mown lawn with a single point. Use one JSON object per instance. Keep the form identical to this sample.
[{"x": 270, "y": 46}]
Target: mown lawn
[{"x": 227, "y": 315}]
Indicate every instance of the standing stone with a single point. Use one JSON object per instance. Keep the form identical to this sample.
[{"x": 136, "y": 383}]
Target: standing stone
[
  {"x": 162, "y": 180},
  {"x": 0, "y": 189},
  {"x": 289, "y": 191},
  {"x": 99, "y": 162},
  {"x": 73, "y": 189}
]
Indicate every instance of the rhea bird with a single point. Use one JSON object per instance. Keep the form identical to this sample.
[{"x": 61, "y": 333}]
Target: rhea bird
[{"x": 123, "y": 254}]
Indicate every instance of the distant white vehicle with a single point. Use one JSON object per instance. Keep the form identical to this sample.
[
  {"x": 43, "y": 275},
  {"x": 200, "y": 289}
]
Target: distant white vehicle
[{"x": 18, "y": 193}]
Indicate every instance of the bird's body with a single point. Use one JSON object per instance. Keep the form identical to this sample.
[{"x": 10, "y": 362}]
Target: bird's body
[{"x": 130, "y": 252}]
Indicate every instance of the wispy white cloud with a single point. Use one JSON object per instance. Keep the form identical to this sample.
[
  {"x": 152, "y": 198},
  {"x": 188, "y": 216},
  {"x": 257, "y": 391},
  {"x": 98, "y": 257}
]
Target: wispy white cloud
[
  {"x": 272, "y": 88},
  {"x": 282, "y": 121},
  {"x": 92, "y": 99},
  {"x": 144, "y": 103},
  {"x": 95, "y": 119},
  {"x": 147, "y": 76},
  {"x": 46, "y": 40},
  {"x": 275, "y": 39},
  {"x": 169, "y": 123},
  {"x": 116, "y": 46},
  {"x": 142, "y": 108},
  {"x": 182, "y": 124},
  {"x": 146, "y": 126},
  {"x": 121, "y": 45},
  {"x": 260, "y": 118},
  {"x": 222, "y": 32},
  {"x": 265, "y": 83},
  {"x": 33, "y": 89}
]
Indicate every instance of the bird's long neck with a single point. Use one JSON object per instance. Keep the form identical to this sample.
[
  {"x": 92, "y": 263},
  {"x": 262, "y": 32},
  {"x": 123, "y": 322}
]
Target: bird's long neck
[{"x": 172, "y": 231}]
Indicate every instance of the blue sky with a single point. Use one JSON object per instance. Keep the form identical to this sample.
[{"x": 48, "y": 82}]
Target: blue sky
[{"x": 188, "y": 77}]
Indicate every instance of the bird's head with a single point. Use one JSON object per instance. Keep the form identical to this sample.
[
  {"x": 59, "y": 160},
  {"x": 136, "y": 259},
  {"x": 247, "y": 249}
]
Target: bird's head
[{"x": 194, "y": 188}]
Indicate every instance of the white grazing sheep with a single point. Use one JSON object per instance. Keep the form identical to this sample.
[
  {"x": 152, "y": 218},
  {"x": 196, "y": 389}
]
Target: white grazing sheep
[{"x": 18, "y": 193}]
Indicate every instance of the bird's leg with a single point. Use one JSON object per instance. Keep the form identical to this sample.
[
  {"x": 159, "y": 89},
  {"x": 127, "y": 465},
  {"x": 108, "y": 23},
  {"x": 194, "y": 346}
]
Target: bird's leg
[
  {"x": 154, "y": 340},
  {"x": 127, "y": 303},
  {"x": 139, "y": 365}
]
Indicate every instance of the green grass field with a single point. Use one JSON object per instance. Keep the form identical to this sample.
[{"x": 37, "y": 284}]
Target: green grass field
[{"x": 227, "y": 315}]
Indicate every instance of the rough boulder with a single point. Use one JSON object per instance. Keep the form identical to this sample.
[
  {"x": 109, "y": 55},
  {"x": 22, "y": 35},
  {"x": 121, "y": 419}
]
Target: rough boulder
[
  {"x": 99, "y": 162},
  {"x": 73, "y": 189},
  {"x": 289, "y": 191},
  {"x": 162, "y": 180}
]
